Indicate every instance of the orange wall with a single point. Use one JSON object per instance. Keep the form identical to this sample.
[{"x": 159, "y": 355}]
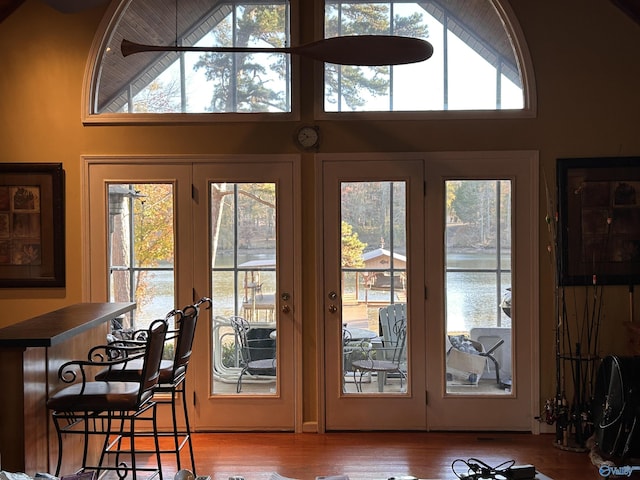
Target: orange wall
[{"x": 585, "y": 60}]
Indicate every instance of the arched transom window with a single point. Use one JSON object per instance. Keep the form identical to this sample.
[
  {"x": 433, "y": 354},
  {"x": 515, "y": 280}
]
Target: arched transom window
[{"x": 475, "y": 65}]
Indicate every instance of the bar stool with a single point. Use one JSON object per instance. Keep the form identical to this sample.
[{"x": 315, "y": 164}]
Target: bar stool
[
  {"x": 91, "y": 407},
  {"x": 172, "y": 375}
]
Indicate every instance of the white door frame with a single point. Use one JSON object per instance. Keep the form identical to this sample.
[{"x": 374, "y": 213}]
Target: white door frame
[
  {"x": 346, "y": 411},
  {"x": 152, "y": 168},
  {"x": 530, "y": 308},
  {"x": 483, "y": 412},
  {"x": 245, "y": 412}
]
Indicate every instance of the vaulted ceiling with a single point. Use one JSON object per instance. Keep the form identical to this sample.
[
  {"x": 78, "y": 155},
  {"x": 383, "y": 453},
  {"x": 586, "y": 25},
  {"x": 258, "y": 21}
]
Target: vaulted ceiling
[
  {"x": 630, "y": 7},
  {"x": 117, "y": 77},
  {"x": 7, "y": 7}
]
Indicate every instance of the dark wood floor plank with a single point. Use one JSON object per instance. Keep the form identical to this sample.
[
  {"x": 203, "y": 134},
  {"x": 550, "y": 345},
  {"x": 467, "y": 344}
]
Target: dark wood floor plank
[{"x": 375, "y": 455}]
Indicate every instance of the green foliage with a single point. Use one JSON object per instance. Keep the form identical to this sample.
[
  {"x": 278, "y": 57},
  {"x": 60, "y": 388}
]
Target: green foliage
[
  {"x": 257, "y": 82},
  {"x": 153, "y": 233},
  {"x": 229, "y": 354},
  {"x": 352, "y": 247},
  {"x": 474, "y": 200},
  {"x": 241, "y": 82},
  {"x": 349, "y": 83},
  {"x": 473, "y": 203},
  {"x": 366, "y": 206},
  {"x": 452, "y": 188},
  {"x": 252, "y": 216}
]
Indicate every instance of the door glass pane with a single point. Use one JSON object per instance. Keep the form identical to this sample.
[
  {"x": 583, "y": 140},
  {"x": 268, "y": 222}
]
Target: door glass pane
[
  {"x": 374, "y": 287},
  {"x": 478, "y": 287},
  {"x": 141, "y": 250},
  {"x": 243, "y": 282}
]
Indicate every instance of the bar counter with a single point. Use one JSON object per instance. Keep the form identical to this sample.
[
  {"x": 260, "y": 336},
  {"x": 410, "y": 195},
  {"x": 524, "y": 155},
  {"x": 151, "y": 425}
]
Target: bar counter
[{"x": 31, "y": 352}]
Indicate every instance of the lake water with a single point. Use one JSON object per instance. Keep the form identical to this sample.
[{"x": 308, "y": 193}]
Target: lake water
[{"x": 472, "y": 297}]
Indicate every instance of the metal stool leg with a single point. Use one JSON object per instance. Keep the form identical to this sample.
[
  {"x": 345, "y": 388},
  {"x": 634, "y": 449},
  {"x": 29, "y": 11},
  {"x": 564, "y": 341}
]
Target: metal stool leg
[
  {"x": 188, "y": 428},
  {"x": 156, "y": 440},
  {"x": 176, "y": 439}
]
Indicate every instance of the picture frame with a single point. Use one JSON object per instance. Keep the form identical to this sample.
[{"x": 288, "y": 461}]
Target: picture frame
[
  {"x": 599, "y": 220},
  {"x": 32, "y": 208}
]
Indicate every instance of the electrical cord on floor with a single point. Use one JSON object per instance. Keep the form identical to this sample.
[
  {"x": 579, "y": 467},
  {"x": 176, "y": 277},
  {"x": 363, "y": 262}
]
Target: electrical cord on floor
[{"x": 476, "y": 469}]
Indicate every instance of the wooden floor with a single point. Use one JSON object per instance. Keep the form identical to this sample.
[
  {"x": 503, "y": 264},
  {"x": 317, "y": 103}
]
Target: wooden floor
[{"x": 374, "y": 455}]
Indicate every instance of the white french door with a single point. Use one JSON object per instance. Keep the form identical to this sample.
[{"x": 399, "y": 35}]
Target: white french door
[
  {"x": 115, "y": 194},
  {"x": 245, "y": 218},
  {"x": 373, "y": 258},
  {"x": 164, "y": 233},
  {"x": 437, "y": 240},
  {"x": 482, "y": 258}
]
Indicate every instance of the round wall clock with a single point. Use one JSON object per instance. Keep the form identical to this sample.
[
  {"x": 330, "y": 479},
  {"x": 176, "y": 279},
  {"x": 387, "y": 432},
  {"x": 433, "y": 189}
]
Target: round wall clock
[{"x": 308, "y": 137}]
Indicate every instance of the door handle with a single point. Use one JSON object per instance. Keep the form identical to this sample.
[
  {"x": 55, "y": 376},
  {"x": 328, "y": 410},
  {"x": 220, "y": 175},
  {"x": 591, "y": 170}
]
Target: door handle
[
  {"x": 285, "y": 298},
  {"x": 333, "y": 297}
]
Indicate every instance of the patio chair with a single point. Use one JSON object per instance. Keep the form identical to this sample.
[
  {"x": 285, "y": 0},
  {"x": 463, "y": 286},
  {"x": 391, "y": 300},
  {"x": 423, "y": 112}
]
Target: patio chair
[
  {"x": 348, "y": 347},
  {"x": 93, "y": 407},
  {"x": 384, "y": 360},
  {"x": 257, "y": 355},
  {"x": 388, "y": 317}
]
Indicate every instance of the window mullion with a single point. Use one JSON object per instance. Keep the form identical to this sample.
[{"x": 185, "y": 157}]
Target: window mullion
[
  {"x": 132, "y": 283},
  {"x": 339, "y": 68},
  {"x": 445, "y": 60},
  {"x": 497, "y": 223},
  {"x": 499, "y": 84},
  {"x": 233, "y": 81},
  {"x": 391, "y": 69},
  {"x": 183, "y": 84}
]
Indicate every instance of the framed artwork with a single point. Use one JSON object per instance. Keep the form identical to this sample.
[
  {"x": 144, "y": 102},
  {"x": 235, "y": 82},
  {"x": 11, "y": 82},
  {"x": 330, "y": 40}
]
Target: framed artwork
[
  {"x": 599, "y": 220},
  {"x": 32, "y": 249}
]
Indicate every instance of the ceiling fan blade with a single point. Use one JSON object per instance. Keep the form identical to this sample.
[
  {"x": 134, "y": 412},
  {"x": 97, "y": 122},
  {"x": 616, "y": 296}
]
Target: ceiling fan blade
[
  {"x": 362, "y": 50},
  {"x": 73, "y": 6}
]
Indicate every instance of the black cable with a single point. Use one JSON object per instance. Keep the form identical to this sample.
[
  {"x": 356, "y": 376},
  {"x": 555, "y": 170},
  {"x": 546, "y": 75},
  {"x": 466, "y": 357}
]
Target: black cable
[{"x": 477, "y": 469}]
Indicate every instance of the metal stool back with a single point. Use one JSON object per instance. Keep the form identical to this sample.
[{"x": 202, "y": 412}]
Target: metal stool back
[{"x": 91, "y": 407}]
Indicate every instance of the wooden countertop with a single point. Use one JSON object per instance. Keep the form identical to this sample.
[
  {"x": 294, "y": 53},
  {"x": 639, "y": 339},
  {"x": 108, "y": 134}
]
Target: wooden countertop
[{"x": 55, "y": 327}]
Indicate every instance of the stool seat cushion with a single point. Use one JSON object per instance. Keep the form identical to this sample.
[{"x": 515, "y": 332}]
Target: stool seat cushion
[
  {"x": 132, "y": 371},
  {"x": 97, "y": 396}
]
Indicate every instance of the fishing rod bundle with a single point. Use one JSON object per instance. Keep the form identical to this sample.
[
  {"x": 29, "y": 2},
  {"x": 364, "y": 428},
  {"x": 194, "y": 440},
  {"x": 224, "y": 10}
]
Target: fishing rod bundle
[
  {"x": 577, "y": 362},
  {"x": 578, "y": 311},
  {"x": 594, "y": 243}
]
